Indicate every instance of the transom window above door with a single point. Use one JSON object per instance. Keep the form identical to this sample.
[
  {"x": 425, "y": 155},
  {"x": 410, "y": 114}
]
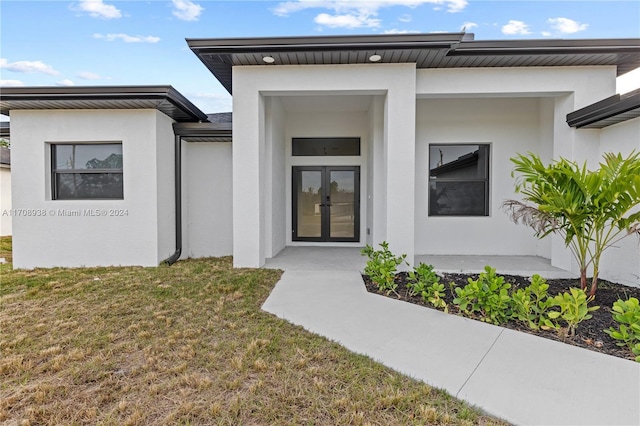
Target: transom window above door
[{"x": 314, "y": 147}]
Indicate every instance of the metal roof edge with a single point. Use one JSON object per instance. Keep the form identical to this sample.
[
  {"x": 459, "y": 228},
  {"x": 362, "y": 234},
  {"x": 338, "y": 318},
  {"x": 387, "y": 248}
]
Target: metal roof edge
[
  {"x": 103, "y": 93},
  {"x": 321, "y": 42},
  {"x": 606, "y": 108}
]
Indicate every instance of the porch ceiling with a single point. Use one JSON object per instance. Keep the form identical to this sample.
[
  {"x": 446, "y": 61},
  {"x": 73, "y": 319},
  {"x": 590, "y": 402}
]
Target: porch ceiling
[{"x": 446, "y": 50}]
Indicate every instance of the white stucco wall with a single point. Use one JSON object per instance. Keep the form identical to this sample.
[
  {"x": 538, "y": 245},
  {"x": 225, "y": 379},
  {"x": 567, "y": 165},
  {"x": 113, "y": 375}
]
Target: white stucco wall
[
  {"x": 253, "y": 85},
  {"x": 57, "y": 240},
  {"x": 5, "y": 200},
  {"x": 275, "y": 177},
  {"x": 621, "y": 263},
  {"x": 510, "y": 126},
  {"x": 165, "y": 178},
  {"x": 207, "y": 192}
]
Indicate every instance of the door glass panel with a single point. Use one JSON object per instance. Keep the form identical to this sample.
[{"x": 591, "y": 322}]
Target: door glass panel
[
  {"x": 309, "y": 200},
  {"x": 342, "y": 219}
]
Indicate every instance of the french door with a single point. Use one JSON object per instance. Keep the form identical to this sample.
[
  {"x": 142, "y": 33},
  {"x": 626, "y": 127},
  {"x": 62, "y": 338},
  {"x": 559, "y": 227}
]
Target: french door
[{"x": 326, "y": 203}]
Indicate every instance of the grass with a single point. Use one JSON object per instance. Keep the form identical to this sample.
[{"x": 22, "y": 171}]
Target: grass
[{"x": 186, "y": 344}]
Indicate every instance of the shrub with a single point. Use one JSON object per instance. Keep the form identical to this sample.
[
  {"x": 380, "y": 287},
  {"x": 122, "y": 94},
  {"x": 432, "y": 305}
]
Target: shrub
[
  {"x": 532, "y": 304},
  {"x": 487, "y": 296},
  {"x": 627, "y": 314},
  {"x": 382, "y": 267},
  {"x": 421, "y": 278},
  {"x": 574, "y": 308}
]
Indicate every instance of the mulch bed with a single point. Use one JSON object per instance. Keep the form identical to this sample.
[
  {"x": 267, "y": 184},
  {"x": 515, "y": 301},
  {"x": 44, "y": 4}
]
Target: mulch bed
[{"x": 589, "y": 333}]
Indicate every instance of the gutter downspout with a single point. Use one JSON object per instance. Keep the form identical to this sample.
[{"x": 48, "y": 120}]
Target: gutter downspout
[{"x": 178, "y": 201}]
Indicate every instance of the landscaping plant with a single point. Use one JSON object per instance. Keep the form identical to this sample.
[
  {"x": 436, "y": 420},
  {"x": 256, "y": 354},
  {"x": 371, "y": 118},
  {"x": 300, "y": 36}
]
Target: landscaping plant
[
  {"x": 574, "y": 308},
  {"x": 382, "y": 266},
  {"x": 532, "y": 304},
  {"x": 487, "y": 296},
  {"x": 424, "y": 282},
  {"x": 591, "y": 210},
  {"x": 627, "y": 314}
]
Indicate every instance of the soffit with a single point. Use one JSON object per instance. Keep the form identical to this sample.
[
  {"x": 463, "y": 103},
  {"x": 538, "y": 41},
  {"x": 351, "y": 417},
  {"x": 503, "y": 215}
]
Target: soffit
[
  {"x": 447, "y": 50},
  {"x": 162, "y": 98}
]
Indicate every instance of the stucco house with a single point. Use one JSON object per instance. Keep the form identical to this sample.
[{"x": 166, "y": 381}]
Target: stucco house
[{"x": 334, "y": 141}]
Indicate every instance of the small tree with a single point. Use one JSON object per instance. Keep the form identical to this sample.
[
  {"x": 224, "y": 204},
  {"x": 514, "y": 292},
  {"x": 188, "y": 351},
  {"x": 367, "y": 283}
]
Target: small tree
[{"x": 591, "y": 210}]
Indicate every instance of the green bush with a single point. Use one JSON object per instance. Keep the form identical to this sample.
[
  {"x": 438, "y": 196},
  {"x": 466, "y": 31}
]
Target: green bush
[
  {"x": 627, "y": 314},
  {"x": 488, "y": 296},
  {"x": 382, "y": 267},
  {"x": 532, "y": 304},
  {"x": 574, "y": 308}
]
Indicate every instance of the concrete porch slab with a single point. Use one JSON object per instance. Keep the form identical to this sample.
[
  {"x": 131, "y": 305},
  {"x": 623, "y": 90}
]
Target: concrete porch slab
[{"x": 350, "y": 259}]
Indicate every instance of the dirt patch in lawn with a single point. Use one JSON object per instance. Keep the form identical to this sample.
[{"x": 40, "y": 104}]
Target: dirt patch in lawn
[{"x": 589, "y": 334}]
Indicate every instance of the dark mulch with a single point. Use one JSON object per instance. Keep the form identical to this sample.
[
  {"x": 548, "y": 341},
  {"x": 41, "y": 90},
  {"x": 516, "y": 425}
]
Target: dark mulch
[{"x": 589, "y": 333}]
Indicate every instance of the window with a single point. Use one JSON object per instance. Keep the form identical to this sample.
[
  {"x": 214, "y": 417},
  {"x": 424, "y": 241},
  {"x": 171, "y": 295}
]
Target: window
[
  {"x": 325, "y": 146},
  {"x": 86, "y": 171},
  {"x": 459, "y": 180}
]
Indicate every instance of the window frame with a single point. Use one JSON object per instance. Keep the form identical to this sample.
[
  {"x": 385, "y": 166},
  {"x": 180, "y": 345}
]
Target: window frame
[
  {"x": 486, "y": 180},
  {"x": 56, "y": 171}
]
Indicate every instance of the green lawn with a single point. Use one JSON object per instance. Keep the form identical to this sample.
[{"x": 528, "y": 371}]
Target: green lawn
[{"x": 186, "y": 344}]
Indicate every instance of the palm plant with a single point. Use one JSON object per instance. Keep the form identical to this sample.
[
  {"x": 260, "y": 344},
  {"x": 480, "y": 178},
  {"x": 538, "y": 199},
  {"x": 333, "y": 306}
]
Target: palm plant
[{"x": 591, "y": 210}]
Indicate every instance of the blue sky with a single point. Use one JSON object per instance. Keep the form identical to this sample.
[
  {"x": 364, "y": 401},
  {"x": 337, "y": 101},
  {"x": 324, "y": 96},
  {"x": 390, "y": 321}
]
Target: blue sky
[{"x": 106, "y": 42}]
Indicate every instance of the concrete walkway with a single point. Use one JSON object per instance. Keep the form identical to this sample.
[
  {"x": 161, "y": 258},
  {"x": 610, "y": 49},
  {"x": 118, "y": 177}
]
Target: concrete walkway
[{"x": 521, "y": 378}]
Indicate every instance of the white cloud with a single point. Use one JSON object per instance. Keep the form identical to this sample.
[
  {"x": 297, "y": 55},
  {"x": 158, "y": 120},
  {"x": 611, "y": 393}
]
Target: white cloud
[
  {"x": 405, "y": 18},
  {"x": 397, "y": 31},
  {"x": 65, "y": 82},
  {"x": 127, "y": 38},
  {"x": 566, "y": 25},
  {"x": 86, "y": 75},
  {"x": 187, "y": 10},
  {"x": 516, "y": 28},
  {"x": 346, "y": 21},
  {"x": 11, "y": 83},
  {"x": 546, "y": 34},
  {"x": 360, "y": 13},
  {"x": 467, "y": 26},
  {"x": 28, "y": 66},
  {"x": 97, "y": 9}
]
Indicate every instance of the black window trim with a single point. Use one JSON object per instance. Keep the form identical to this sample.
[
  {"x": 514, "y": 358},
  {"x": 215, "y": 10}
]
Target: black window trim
[
  {"x": 55, "y": 171},
  {"x": 486, "y": 180}
]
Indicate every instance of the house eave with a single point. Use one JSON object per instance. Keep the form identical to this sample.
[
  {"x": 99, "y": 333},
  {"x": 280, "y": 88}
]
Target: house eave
[
  {"x": 447, "y": 50},
  {"x": 162, "y": 98},
  {"x": 612, "y": 110}
]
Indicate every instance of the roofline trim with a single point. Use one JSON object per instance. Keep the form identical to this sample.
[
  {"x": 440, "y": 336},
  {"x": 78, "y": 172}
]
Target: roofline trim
[
  {"x": 104, "y": 93},
  {"x": 606, "y": 108}
]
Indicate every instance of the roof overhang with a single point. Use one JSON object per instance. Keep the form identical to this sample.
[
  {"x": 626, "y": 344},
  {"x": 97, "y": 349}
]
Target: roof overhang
[
  {"x": 162, "y": 98},
  {"x": 220, "y": 55},
  {"x": 609, "y": 111},
  {"x": 203, "y": 132},
  {"x": 437, "y": 50}
]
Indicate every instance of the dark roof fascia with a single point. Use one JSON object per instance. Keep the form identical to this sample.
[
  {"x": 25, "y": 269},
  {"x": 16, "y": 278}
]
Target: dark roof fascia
[
  {"x": 225, "y": 48},
  {"x": 541, "y": 47},
  {"x": 214, "y": 130},
  {"x": 314, "y": 43},
  {"x": 610, "y": 107},
  {"x": 98, "y": 93}
]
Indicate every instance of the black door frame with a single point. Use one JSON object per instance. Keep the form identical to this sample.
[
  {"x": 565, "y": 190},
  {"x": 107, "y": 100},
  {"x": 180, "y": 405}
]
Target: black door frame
[{"x": 325, "y": 207}]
